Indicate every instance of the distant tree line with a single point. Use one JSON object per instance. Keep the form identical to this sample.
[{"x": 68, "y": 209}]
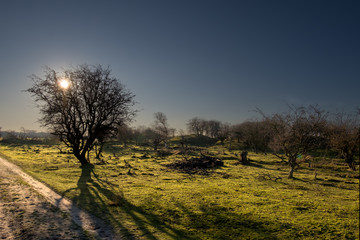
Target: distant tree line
[
  {"x": 298, "y": 132},
  {"x": 211, "y": 128},
  {"x": 23, "y": 134},
  {"x": 291, "y": 135}
]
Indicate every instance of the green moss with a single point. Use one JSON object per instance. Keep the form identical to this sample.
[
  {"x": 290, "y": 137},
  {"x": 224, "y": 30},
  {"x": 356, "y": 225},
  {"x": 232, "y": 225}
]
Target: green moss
[{"x": 142, "y": 197}]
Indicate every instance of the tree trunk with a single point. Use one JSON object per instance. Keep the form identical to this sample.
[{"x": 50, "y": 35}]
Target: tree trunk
[
  {"x": 83, "y": 161},
  {"x": 81, "y": 157},
  {"x": 350, "y": 161},
  {"x": 291, "y": 172},
  {"x": 292, "y": 163},
  {"x": 98, "y": 151},
  {"x": 244, "y": 159},
  {"x": 155, "y": 146}
]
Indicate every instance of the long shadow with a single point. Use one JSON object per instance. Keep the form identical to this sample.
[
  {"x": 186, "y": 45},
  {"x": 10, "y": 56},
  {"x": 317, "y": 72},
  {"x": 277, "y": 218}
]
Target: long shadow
[
  {"x": 266, "y": 164},
  {"x": 253, "y": 163},
  {"x": 102, "y": 199},
  {"x": 216, "y": 222}
]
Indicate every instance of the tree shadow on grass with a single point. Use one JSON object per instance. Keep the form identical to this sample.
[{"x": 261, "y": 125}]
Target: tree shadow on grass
[
  {"x": 251, "y": 163},
  {"x": 102, "y": 199},
  {"x": 217, "y": 222}
]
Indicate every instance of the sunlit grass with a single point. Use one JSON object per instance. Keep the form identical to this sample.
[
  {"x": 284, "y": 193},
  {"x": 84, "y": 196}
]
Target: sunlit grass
[{"x": 141, "y": 197}]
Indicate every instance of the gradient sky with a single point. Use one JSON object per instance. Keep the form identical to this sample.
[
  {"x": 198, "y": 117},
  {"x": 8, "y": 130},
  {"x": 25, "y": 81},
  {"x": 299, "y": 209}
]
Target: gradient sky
[{"x": 210, "y": 59}]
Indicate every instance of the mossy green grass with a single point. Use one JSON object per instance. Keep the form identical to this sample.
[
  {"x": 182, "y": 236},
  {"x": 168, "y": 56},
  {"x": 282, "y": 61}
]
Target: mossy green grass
[{"x": 142, "y": 198}]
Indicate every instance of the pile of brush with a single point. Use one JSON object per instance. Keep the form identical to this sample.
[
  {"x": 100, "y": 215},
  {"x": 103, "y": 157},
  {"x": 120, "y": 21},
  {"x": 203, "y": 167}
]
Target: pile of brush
[{"x": 197, "y": 164}]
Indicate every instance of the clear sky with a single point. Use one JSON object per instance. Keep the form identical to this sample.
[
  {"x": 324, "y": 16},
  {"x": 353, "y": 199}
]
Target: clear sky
[{"x": 210, "y": 59}]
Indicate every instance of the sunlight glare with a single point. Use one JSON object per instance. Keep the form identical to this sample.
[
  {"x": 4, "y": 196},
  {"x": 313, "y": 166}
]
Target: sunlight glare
[{"x": 64, "y": 83}]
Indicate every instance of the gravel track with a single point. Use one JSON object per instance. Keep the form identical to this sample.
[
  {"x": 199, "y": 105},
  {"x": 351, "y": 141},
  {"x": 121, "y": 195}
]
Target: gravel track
[{"x": 42, "y": 214}]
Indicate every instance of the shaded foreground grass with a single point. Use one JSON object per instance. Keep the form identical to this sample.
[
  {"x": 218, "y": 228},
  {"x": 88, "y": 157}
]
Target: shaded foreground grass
[{"x": 143, "y": 199}]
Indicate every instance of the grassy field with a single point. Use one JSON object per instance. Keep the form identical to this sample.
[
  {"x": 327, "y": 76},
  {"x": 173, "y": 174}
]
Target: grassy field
[{"x": 143, "y": 198}]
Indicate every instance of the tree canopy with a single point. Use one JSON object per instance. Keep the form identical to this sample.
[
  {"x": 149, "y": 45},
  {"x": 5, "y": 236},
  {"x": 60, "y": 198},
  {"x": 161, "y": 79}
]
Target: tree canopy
[{"x": 82, "y": 106}]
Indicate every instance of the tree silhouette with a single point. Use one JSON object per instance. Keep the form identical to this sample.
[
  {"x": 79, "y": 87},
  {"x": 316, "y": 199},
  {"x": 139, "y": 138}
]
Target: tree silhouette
[
  {"x": 86, "y": 109},
  {"x": 345, "y": 137},
  {"x": 296, "y": 133}
]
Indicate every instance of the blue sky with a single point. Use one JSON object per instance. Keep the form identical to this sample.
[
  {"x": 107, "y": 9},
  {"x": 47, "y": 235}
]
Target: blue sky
[{"x": 211, "y": 59}]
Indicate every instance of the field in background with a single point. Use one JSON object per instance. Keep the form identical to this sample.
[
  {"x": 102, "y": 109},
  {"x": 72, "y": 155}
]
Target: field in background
[{"x": 143, "y": 198}]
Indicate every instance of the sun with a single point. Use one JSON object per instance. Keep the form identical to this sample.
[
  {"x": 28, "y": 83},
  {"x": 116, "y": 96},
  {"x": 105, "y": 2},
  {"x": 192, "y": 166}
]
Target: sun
[{"x": 64, "y": 83}]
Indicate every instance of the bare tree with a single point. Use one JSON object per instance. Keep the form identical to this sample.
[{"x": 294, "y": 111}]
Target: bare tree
[
  {"x": 212, "y": 128},
  {"x": 159, "y": 132},
  {"x": 183, "y": 141},
  {"x": 238, "y": 131},
  {"x": 161, "y": 127},
  {"x": 296, "y": 133},
  {"x": 82, "y": 105},
  {"x": 254, "y": 135},
  {"x": 345, "y": 136},
  {"x": 197, "y": 126},
  {"x": 139, "y": 135},
  {"x": 172, "y": 132},
  {"x": 155, "y": 137},
  {"x": 125, "y": 134},
  {"x": 23, "y": 133},
  {"x": 161, "y": 123},
  {"x": 224, "y": 133}
]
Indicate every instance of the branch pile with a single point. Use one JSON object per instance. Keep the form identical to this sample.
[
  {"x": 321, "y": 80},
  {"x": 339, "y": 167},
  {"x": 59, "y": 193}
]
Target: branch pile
[{"x": 196, "y": 164}]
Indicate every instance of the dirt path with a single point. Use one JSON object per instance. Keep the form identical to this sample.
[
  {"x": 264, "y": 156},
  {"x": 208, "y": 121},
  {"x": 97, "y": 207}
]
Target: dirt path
[{"x": 41, "y": 214}]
